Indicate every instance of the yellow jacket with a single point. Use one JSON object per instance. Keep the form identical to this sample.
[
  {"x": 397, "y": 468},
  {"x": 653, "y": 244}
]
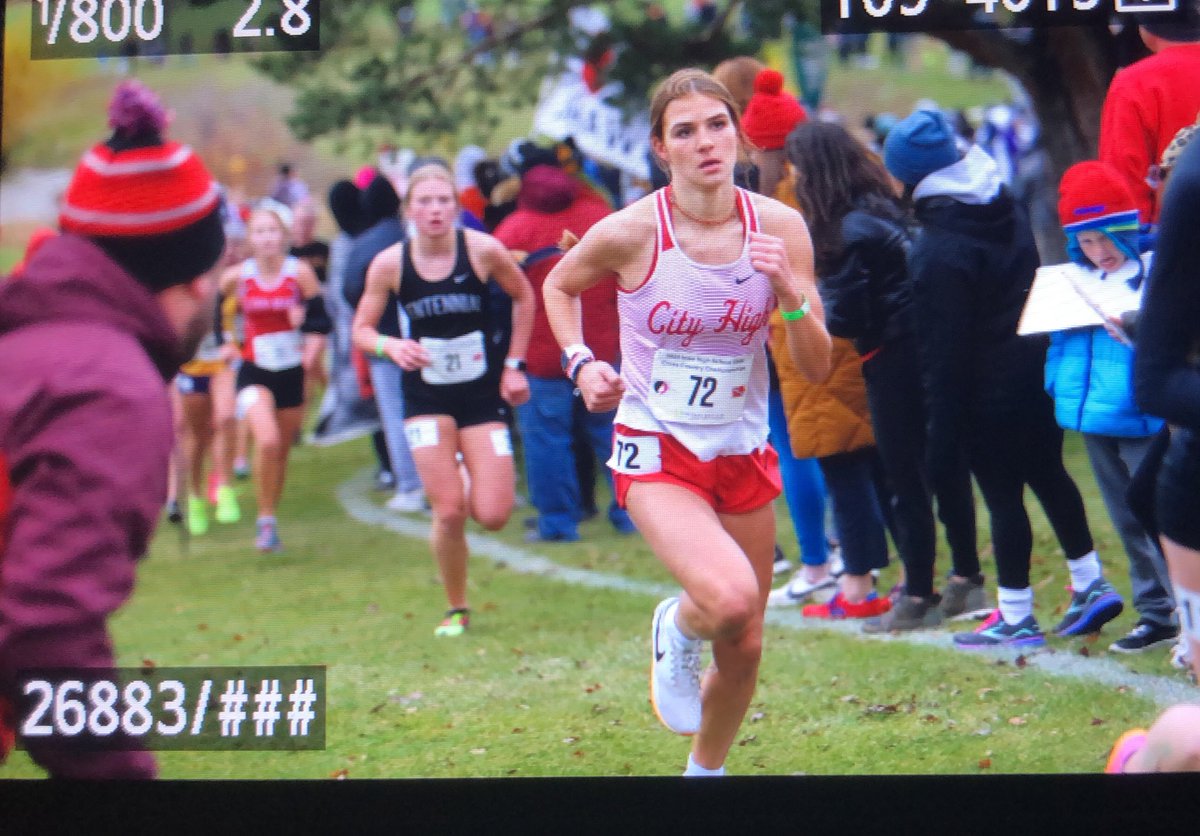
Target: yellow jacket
[{"x": 823, "y": 418}]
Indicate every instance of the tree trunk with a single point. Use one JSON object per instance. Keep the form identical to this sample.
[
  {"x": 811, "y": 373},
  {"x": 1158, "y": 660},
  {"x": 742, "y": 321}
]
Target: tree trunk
[{"x": 1065, "y": 71}]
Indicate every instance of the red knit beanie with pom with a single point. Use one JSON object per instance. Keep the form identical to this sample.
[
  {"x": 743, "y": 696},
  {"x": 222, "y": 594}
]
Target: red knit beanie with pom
[
  {"x": 771, "y": 113},
  {"x": 151, "y": 205}
]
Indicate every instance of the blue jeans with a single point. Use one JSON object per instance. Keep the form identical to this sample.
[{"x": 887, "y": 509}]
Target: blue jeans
[
  {"x": 385, "y": 378},
  {"x": 545, "y": 422},
  {"x": 803, "y": 487}
]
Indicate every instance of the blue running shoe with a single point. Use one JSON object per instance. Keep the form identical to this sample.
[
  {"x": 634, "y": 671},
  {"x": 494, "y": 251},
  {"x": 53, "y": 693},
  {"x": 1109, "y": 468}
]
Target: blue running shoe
[
  {"x": 996, "y": 632},
  {"x": 268, "y": 540},
  {"x": 1091, "y": 609}
]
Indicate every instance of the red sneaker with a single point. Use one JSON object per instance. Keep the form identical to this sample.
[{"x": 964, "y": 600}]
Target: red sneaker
[{"x": 839, "y": 608}]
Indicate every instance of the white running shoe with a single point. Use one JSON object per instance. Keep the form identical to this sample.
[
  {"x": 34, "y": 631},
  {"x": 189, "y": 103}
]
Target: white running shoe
[
  {"x": 674, "y": 673},
  {"x": 798, "y": 590},
  {"x": 407, "y": 502}
]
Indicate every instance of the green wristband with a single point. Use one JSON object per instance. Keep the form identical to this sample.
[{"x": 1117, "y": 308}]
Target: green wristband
[
  {"x": 800, "y": 313},
  {"x": 380, "y": 342}
]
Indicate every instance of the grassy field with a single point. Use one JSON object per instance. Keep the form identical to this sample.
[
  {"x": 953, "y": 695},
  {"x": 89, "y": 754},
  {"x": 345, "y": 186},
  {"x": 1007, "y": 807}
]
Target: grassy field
[{"x": 551, "y": 680}]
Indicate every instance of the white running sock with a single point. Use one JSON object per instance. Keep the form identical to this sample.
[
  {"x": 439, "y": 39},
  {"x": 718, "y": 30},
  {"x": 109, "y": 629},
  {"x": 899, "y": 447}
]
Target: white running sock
[
  {"x": 1085, "y": 570},
  {"x": 1016, "y": 604},
  {"x": 677, "y": 633},
  {"x": 695, "y": 770}
]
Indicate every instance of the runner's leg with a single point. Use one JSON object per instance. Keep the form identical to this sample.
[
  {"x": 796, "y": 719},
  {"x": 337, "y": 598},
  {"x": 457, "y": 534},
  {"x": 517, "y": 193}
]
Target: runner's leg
[
  {"x": 487, "y": 452},
  {"x": 725, "y": 585},
  {"x": 437, "y": 463}
]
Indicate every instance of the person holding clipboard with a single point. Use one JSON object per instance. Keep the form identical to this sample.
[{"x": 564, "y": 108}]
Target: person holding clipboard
[{"x": 1089, "y": 373}]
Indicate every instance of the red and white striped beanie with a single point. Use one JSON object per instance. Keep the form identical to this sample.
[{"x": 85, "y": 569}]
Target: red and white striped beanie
[{"x": 149, "y": 203}]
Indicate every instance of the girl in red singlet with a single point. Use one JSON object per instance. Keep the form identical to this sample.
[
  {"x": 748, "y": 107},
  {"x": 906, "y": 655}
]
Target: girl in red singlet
[
  {"x": 700, "y": 265},
  {"x": 272, "y": 290}
]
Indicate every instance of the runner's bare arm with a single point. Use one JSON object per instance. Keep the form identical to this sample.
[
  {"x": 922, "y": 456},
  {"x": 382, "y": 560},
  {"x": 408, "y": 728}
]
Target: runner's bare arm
[
  {"x": 383, "y": 277},
  {"x": 617, "y": 244},
  {"x": 612, "y": 245},
  {"x": 783, "y": 251}
]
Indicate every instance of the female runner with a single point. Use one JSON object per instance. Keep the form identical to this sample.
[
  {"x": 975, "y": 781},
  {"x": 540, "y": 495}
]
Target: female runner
[
  {"x": 455, "y": 401},
  {"x": 280, "y": 300},
  {"x": 701, "y": 264}
]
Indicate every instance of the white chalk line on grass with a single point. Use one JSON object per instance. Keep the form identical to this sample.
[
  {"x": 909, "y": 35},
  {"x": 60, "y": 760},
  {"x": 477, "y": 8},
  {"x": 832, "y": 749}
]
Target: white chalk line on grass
[{"x": 352, "y": 495}]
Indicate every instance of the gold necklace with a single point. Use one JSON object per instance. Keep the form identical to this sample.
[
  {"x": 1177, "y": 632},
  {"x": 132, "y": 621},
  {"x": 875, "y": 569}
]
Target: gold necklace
[{"x": 703, "y": 221}]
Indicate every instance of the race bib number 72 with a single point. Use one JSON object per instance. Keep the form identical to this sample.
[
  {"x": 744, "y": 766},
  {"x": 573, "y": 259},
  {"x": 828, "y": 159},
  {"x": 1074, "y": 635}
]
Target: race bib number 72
[
  {"x": 636, "y": 455},
  {"x": 698, "y": 388}
]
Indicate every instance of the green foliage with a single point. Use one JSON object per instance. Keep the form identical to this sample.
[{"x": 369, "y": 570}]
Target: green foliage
[{"x": 437, "y": 84}]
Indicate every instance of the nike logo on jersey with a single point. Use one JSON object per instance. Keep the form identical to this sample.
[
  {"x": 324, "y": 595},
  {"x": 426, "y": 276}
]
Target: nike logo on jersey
[
  {"x": 460, "y": 278},
  {"x": 742, "y": 279}
]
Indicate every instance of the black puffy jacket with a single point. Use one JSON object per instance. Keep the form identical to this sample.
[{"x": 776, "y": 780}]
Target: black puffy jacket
[
  {"x": 866, "y": 290},
  {"x": 971, "y": 269}
]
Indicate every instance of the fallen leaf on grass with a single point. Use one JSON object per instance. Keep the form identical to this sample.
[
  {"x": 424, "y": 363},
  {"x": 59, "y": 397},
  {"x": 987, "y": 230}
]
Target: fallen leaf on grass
[
  {"x": 490, "y": 606},
  {"x": 149, "y": 664},
  {"x": 570, "y": 740},
  {"x": 985, "y": 763},
  {"x": 1096, "y": 721},
  {"x": 1022, "y": 661},
  {"x": 851, "y": 698},
  {"x": 931, "y": 718},
  {"x": 879, "y": 708},
  {"x": 1017, "y": 721},
  {"x": 1122, "y": 689},
  {"x": 201, "y": 627},
  {"x": 754, "y": 718},
  {"x": 237, "y": 637},
  {"x": 983, "y": 692},
  {"x": 750, "y": 738},
  {"x": 578, "y": 753},
  {"x": 1083, "y": 651},
  {"x": 479, "y": 751},
  {"x": 518, "y": 730},
  {"x": 593, "y": 688},
  {"x": 340, "y": 774},
  {"x": 372, "y": 608}
]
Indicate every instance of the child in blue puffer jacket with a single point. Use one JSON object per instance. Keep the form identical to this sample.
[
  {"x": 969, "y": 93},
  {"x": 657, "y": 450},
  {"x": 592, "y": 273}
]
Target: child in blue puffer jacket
[{"x": 1089, "y": 375}]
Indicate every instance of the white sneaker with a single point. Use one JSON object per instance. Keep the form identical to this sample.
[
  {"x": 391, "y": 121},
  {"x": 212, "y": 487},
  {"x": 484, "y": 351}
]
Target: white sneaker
[
  {"x": 782, "y": 564},
  {"x": 837, "y": 566},
  {"x": 407, "y": 502},
  {"x": 1181, "y": 656},
  {"x": 798, "y": 590},
  {"x": 674, "y": 673}
]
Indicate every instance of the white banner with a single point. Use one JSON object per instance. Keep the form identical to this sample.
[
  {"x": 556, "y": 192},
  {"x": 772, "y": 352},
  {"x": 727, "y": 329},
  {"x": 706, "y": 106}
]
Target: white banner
[{"x": 568, "y": 108}]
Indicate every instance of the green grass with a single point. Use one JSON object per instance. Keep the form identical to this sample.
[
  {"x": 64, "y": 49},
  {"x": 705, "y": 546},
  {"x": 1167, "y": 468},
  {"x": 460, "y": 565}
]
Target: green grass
[{"x": 551, "y": 680}]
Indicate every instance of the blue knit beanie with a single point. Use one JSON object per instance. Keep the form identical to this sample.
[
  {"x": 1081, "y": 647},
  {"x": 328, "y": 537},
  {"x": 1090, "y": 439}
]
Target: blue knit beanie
[{"x": 919, "y": 145}]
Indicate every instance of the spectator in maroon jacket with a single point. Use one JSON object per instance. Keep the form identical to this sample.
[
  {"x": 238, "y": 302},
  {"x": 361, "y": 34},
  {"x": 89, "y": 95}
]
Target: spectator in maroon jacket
[
  {"x": 100, "y": 320},
  {"x": 550, "y": 204}
]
